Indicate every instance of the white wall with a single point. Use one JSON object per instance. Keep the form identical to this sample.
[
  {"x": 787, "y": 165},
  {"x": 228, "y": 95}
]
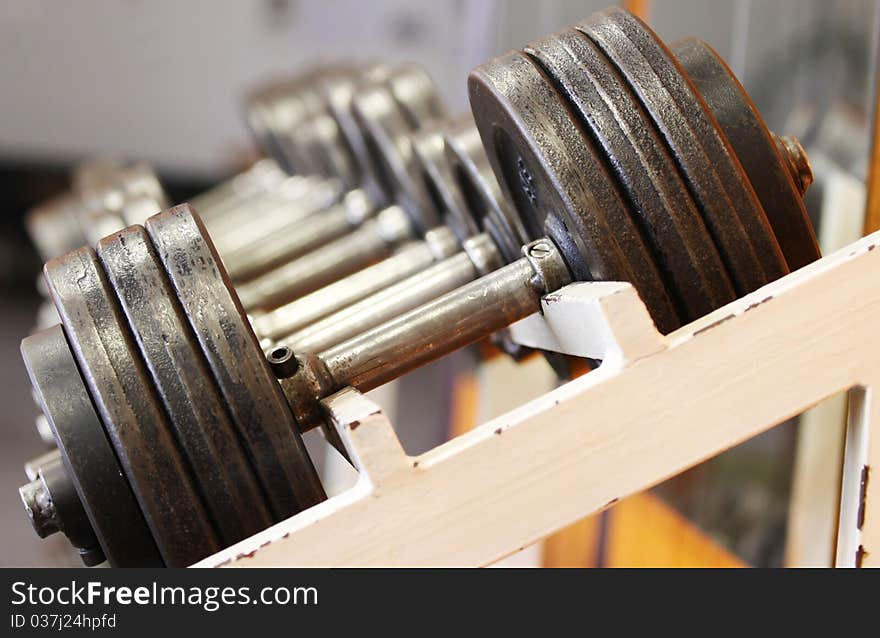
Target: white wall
[{"x": 161, "y": 80}]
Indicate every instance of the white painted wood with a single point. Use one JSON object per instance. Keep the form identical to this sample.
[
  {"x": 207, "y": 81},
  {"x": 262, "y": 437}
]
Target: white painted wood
[
  {"x": 616, "y": 431},
  {"x": 337, "y": 475},
  {"x": 503, "y": 384},
  {"x": 815, "y": 488},
  {"x": 814, "y": 504},
  {"x": 601, "y": 320}
]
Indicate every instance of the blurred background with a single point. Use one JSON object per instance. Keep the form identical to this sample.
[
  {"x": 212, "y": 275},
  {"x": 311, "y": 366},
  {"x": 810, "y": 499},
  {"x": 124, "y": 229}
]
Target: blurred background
[{"x": 163, "y": 81}]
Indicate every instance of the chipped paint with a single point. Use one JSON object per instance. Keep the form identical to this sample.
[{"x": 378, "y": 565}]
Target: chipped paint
[
  {"x": 758, "y": 303},
  {"x": 863, "y": 497},
  {"x": 714, "y": 324}
]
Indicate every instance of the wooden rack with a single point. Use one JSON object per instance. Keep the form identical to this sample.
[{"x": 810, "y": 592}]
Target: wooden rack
[{"x": 656, "y": 406}]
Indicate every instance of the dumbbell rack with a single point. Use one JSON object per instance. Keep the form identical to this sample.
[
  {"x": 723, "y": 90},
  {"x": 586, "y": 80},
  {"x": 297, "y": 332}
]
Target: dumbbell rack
[{"x": 656, "y": 406}]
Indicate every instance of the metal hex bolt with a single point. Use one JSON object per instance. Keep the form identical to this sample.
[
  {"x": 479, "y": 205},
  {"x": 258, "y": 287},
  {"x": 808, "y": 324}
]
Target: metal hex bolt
[
  {"x": 796, "y": 161},
  {"x": 39, "y": 507}
]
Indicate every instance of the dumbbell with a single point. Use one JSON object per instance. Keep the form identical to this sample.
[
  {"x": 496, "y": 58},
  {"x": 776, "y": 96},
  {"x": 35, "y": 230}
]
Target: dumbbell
[
  {"x": 442, "y": 184},
  {"x": 278, "y": 115},
  {"x": 156, "y": 343},
  {"x": 102, "y": 191},
  {"x": 796, "y": 237},
  {"x": 386, "y": 131},
  {"x": 306, "y": 124},
  {"x": 410, "y": 100},
  {"x": 251, "y": 240},
  {"x": 106, "y": 196},
  {"x": 110, "y": 196},
  {"x": 581, "y": 129},
  {"x": 457, "y": 172}
]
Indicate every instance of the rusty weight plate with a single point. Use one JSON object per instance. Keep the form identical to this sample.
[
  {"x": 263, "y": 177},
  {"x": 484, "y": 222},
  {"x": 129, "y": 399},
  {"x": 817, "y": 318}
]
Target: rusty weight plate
[
  {"x": 270, "y": 123},
  {"x": 416, "y": 94},
  {"x": 337, "y": 92},
  {"x": 758, "y": 154},
  {"x": 387, "y": 132},
  {"x": 554, "y": 177},
  {"x": 252, "y": 394},
  {"x": 487, "y": 208},
  {"x": 732, "y": 212},
  {"x": 185, "y": 385},
  {"x": 658, "y": 199},
  {"x": 88, "y": 456},
  {"x": 429, "y": 146},
  {"x": 131, "y": 413}
]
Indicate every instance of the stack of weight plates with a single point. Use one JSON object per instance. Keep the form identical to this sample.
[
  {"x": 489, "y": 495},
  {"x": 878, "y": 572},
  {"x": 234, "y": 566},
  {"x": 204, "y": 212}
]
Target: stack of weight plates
[
  {"x": 643, "y": 164},
  {"x": 205, "y": 448}
]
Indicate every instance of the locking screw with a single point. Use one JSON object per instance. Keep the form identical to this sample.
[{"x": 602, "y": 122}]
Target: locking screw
[{"x": 283, "y": 362}]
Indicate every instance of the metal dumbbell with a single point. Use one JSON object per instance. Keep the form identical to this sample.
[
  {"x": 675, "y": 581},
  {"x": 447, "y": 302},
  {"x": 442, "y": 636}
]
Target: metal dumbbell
[
  {"x": 106, "y": 196},
  {"x": 306, "y": 335},
  {"x": 457, "y": 172},
  {"x": 308, "y": 127},
  {"x": 579, "y": 128},
  {"x": 262, "y": 202},
  {"x": 47, "y": 394},
  {"x": 408, "y": 99},
  {"x": 156, "y": 343},
  {"x": 252, "y": 239},
  {"x": 386, "y": 143}
]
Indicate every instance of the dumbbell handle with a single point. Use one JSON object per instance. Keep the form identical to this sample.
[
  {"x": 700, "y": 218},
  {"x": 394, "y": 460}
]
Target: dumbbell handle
[
  {"x": 375, "y": 239},
  {"x": 272, "y": 240},
  {"x": 262, "y": 177},
  {"x": 426, "y": 333},
  {"x": 413, "y": 257},
  {"x": 263, "y": 212},
  {"x": 479, "y": 257}
]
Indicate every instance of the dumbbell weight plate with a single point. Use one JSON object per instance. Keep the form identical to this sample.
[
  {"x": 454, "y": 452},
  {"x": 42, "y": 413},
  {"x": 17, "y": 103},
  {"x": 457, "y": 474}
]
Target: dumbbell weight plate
[
  {"x": 185, "y": 385},
  {"x": 487, "y": 208},
  {"x": 387, "y": 133},
  {"x": 277, "y": 111},
  {"x": 268, "y": 124},
  {"x": 755, "y": 149},
  {"x": 88, "y": 456},
  {"x": 416, "y": 95},
  {"x": 251, "y": 392},
  {"x": 132, "y": 415},
  {"x": 321, "y": 135},
  {"x": 429, "y": 147},
  {"x": 549, "y": 171},
  {"x": 732, "y": 212},
  {"x": 337, "y": 94},
  {"x": 694, "y": 273}
]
